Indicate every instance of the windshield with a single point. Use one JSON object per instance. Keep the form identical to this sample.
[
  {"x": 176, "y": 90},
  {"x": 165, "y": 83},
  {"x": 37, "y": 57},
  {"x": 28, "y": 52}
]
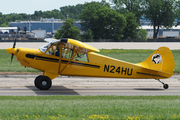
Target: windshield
[{"x": 45, "y": 47}]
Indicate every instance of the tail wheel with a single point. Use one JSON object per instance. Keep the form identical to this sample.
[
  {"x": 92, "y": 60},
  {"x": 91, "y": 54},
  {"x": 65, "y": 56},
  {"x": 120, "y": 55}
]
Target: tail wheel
[
  {"x": 43, "y": 82},
  {"x": 165, "y": 86}
]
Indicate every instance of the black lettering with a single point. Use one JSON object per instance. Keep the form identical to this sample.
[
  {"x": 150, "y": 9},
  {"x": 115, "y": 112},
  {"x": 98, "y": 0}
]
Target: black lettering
[
  {"x": 106, "y": 69},
  {"x": 118, "y": 70},
  {"x": 123, "y": 70},
  {"x": 130, "y": 72},
  {"x": 113, "y": 67}
]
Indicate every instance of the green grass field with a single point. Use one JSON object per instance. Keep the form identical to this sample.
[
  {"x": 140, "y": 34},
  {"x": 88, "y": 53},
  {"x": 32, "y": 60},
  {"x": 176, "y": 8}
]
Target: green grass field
[
  {"x": 90, "y": 107},
  {"x": 133, "y": 56}
]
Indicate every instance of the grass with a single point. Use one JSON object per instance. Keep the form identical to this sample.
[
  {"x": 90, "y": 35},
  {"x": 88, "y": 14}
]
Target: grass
[
  {"x": 90, "y": 107},
  {"x": 121, "y": 54}
]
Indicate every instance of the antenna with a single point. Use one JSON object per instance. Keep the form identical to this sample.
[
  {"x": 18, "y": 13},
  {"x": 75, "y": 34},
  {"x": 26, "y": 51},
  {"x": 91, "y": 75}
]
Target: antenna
[{"x": 63, "y": 34}]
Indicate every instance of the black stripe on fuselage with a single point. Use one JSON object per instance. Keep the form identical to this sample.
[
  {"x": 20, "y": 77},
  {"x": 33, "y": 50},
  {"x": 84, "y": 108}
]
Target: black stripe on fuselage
[
  {"x": 83, "y": 64},
  {"x": 150, "y": 74},
  {"x": 62, "y": 61},
  {"x": 42, "y": 58}
]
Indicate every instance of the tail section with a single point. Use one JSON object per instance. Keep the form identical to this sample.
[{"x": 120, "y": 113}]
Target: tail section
[{"x": 161, "y": 60}]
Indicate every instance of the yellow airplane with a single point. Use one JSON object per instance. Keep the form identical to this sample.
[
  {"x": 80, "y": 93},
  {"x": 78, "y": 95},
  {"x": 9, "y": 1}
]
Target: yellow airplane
[{"x": 69, "y": 57}]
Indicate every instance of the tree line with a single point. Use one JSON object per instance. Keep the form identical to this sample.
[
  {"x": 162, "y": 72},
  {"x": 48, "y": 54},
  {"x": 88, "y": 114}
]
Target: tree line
[
  {"x": 117, "y": 19},
  {"x": 71, "y": 12}
]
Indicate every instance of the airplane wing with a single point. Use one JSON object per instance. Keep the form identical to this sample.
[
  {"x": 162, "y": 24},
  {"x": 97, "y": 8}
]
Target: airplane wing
[
  {"x": 79, "y": 44},
  {"x": 72, "y": 42},
  {"x": 8, "y": 28},
  {"x": 50, "y": 40}
]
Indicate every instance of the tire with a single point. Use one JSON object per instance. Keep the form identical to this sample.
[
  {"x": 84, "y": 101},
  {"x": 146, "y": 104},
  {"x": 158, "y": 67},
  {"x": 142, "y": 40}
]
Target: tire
[
  {"x": 43, "y": 82},
  {"x": 35, "y": 81},
  {"x": 166, "y": 86}
]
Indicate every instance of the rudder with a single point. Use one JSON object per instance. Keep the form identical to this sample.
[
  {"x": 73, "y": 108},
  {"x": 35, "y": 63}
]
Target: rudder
[{"x": 161, "y": 60}]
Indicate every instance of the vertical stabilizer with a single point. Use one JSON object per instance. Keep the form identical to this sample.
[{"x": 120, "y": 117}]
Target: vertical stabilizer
[{"x": 161, "y": 60}]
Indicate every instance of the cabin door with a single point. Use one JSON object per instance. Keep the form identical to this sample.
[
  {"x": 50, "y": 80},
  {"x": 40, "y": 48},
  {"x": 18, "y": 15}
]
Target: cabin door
[{"x": 65, "y": 57}]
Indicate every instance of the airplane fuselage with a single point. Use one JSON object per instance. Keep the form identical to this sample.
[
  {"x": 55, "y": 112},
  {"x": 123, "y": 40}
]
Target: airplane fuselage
[{"x": 97, "y": 66}]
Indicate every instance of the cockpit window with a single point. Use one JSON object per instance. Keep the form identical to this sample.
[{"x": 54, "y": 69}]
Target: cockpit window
[
  {"x": 45, "y": 47},
  {"x": 68, "y": 51},
  {"x": 81, "y": 57},
  {"x": 81, "y": 54},
  {"x": 54, "y": 50}
]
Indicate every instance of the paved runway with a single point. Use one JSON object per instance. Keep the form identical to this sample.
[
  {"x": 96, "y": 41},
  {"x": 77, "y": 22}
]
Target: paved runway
[
  {"x": 60, "y": 90},
  {"x": 22, "y": 85},
  {"x": 104, "y": 45}
]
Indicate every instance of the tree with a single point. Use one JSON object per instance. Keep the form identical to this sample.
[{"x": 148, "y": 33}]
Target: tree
[
  {"x": 4, "y": 25},
  {"x": 104, "y": 22},
  {"x": 161, "y": 13},
  {"x": 1, "y": 14},
  {"x": 68, "y": 30},
  {"x": 88, "y": 35},
  {"x": 71, "y": 12},
  {"x": 134, "y": 6},
  {"x": 177, "y": 10},
  {"x": 142, "y": 35},
  {"x": 130, "y": 30}
]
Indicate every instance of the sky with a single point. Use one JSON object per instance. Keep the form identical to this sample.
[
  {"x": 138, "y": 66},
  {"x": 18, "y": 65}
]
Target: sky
[{"x": 29, "y": 6}]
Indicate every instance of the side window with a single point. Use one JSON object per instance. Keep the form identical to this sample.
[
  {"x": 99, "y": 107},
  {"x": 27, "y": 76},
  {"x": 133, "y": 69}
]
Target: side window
[
  {"x": 81, "y": 57},
  {"x": 67, "y": 53},
  {"x": 54, "y": 50},
  {"x": 45, "y": 47}
]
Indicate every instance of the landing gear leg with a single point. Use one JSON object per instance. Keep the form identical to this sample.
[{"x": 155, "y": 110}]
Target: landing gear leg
[
  {"x": 165, "y": 86},
  {"x": 43, "y": 82}
]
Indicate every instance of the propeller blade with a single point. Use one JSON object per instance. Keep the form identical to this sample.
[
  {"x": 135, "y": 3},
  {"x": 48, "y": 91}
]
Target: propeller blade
[
  {"x": 11, "y": 58},
  {"x": 14, "y": 45}
]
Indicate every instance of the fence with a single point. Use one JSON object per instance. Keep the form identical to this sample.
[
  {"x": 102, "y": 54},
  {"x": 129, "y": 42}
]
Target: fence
[
  {"x": 134, "y": 40},
  {"x": 100, "y": 40}
]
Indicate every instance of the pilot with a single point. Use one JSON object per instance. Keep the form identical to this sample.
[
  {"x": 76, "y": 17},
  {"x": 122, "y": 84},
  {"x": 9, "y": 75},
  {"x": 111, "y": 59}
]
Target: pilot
[{"x": 57, "y": 52}]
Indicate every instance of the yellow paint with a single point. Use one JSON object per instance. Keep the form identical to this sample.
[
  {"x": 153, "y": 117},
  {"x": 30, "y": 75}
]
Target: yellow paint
[{"x": 73, "y": 62}]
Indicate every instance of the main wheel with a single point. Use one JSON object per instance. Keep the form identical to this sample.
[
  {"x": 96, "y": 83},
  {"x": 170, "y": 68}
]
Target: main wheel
[
  {"x": 165, "y": 86},
  {"x": 43, "y": 82},
  {"x": 36, "y": 81}
]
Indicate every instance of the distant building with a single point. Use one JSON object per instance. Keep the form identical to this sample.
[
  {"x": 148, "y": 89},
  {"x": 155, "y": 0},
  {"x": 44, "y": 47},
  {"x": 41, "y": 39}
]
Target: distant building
[
  {"x": 50, "y": 26},
  {"x": 172, "y": 32}
]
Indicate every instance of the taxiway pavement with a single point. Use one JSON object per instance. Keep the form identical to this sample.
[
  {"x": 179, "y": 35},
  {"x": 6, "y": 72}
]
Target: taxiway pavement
[{"x": 22, "y": 85}]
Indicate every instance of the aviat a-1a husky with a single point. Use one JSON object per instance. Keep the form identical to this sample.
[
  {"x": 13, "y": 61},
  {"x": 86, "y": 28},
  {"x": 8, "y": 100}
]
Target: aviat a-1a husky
[{"x": 69, "y": 57}]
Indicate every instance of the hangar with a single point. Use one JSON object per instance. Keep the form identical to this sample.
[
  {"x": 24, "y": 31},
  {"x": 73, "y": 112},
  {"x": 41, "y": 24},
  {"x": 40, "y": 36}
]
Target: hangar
[
  {"x": 172, "y": 32},
  {"x": 40, "y": 28}
]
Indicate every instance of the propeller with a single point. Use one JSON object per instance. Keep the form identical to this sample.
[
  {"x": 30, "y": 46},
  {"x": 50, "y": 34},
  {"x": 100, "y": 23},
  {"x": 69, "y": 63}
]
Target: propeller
[
  {"x": 14, "y": 45},
  {"x": 11, "y": 57}
]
